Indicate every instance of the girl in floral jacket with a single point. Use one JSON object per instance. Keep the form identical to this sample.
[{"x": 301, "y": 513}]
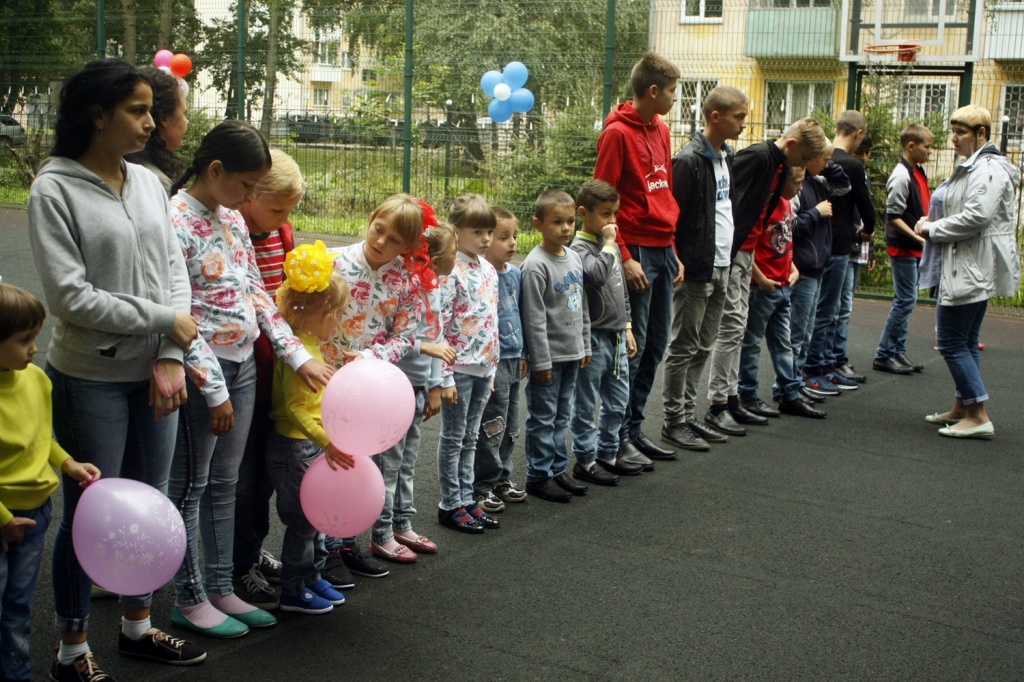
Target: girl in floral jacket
[{"x": 231, "y": 307}]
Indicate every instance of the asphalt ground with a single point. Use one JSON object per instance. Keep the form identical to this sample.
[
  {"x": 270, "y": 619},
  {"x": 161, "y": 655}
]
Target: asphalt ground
[{"x": 861, "y": 547}]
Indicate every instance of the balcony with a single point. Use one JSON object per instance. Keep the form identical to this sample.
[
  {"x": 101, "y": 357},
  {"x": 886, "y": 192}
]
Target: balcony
[
  {"x": 1005, "y": 37},
  {"x": 792, "y": 32}
]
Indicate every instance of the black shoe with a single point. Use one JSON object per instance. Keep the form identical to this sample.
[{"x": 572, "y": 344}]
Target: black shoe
[
  {"x": 566, "y": 483},
  {"x": 905, "y": 361},
  {"x": 652, "y": 449},
  {"x": 630, "y": 454},
  {"x": 810, "y": 394},
  {"x": 620, "y": 468},
  {"x": 706, "y": 432},
  {"x": 594, "y": 474},
  {"x": 359, "y": 563},
  {"x": 82, "y": 669},
  {"x": 460, "y": 520},
  {"x": 724, "y": 421},
  {"x": 849, "y": 372},
  {"x": 800, "y": 409},
  {"x": 891, "y": 365},
  {"x": 683, "y": 436},
  {"x": 760, "y": 407},
  {"x": 160, "y": 646},
  {"x": 252, "y": 588},
  {"x": 483, "y": 518},
  {"x": 337, "y": 574},
  {"x": 548, "y": 490}
]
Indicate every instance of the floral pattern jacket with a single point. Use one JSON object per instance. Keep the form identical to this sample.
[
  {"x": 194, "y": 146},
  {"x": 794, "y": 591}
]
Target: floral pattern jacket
[
  {"x": 470, "y": 299},
  {"x": 228, "y": 298},
  {"x": 383, "y": 313}
]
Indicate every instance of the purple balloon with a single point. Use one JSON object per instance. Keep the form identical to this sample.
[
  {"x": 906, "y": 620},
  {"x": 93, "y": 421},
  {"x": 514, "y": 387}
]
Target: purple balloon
[
  {"x": 522, "y": 100},
  {"x": 367, "y": 407},
  {"x": 127, "y": 535},
  {"x": 499, "y": 111},
  {"x": 342, "y": 502},
  {"x": 489, "y": 80}
]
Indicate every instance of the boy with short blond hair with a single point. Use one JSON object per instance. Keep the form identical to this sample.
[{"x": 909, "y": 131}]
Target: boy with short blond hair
[
  {"x": 702, "y": 175},
  {"x": 758, "y": 180},
  {"x": 908, "y": 198},
  {"x": 499, "y": 426},
  {"x": 634, "y": 155},
  {"x": 556, "y": 327},
  {"x": 606, "y": 378}
]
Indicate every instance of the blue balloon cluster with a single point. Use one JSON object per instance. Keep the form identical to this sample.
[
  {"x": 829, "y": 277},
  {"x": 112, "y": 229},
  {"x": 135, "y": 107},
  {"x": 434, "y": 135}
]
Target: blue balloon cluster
[{"x": 506, "y": 87}]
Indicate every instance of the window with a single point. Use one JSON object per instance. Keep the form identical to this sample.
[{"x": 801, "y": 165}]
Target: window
[
  {"x": 794, "y": 3},
  {"x": 325, "y": 52},
  {"x": 1013, "y": 109},
  {"x": 927, "y": 10},
  {"x": 369, "y": 76},
  {"x": 917, "y": 100},
  {"x": 322, "y": 96},
  {"x": 690, "y": 100},
  {"x": 787, "y": 102},
  {"x": 702, "y": 10},
  {"x": 345, "y": 61}
]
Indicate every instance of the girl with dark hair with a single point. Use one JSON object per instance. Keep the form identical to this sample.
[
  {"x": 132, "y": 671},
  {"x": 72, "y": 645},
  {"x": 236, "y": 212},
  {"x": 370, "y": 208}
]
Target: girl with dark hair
[
  {"x": 168, "y": 114},
  {"x": 114, "y": 278},
  {"x": 232, "y": 307}
]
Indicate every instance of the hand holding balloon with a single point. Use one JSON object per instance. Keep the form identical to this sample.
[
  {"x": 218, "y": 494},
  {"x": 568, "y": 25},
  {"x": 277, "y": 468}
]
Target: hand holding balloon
[
  {"x": 83, "y": 472},
  {"x": 336, "y": 458}
]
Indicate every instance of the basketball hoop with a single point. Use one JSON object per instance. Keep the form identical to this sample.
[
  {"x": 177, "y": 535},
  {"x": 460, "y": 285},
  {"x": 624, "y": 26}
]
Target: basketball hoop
[{"x": 904, "y": 52}]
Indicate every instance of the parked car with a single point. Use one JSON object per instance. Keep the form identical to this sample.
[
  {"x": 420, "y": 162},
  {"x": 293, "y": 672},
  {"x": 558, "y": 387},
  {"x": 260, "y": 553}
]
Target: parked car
[{"x": 11, "y": 132}]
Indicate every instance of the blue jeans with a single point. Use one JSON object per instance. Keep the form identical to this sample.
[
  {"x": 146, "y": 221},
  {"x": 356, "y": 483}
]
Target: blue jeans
[
  {"x": 19, "y": 569},
  {"x": 548, "y": 410},
  {"x": 456, "y": 446},
  {"x": 697, "y": 309},
  {"x": 499, "y": 428},
  {"x": 651, "y": 311},
  {"x": 606, "y": 378},
  {"x": 842, "y": 324},
  {"x": 204, "y": 475},
  {"x": 93, "y": 421},
  {"x": 398, "y": 466},
  {"x": 904, "y": 298},
  {"x": 957, "y": 328},
  {"x": 768, "y": 318},
  {"x": 803, "y": 300},
  {"x": 288, "y": 459},
  {"x": 820, "y": 351}
]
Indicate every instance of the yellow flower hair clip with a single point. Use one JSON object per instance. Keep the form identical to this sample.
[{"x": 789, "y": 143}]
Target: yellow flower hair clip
[{"x": 309, "y": 267}]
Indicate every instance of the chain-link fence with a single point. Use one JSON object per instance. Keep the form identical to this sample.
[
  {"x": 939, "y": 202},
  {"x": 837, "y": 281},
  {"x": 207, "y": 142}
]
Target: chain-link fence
[{"x": 376, "y": 96}]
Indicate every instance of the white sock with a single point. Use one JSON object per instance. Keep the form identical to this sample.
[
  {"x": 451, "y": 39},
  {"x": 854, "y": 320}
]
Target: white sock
[
  {"x": 135, "y": 629},
  {"x": 587, "y": 467},
  {"x": 67, "y": 653}
]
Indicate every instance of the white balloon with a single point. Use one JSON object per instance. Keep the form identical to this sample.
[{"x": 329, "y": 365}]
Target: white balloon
[{"x": 502, "y": 92}]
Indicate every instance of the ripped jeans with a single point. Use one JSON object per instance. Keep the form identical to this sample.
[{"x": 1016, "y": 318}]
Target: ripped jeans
[{"x": 499, "y": 429}]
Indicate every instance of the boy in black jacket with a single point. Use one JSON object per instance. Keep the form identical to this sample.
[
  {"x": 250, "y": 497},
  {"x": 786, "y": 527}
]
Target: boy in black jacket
[
  {"x": 908, "y": 198},
  {"x": 701, "y": 179},
  {"x": 757, "y": 183}
]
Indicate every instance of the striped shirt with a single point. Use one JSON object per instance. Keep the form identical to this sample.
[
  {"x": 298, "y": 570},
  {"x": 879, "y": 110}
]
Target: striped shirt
[{"x": 270, "y": 249}]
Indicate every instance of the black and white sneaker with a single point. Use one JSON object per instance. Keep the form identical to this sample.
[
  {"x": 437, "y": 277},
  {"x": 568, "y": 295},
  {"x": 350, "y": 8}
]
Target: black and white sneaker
[
  {"x": 269, "y": 566},
  {"x": 82, "y": 669},
  {"x": 336, "y": 573},
  {"x": 508, "y": 491},
  {"x": 160, "y": 646},
  {"x": 253, "y": 588},
  {"x": 360, "y": 564}
]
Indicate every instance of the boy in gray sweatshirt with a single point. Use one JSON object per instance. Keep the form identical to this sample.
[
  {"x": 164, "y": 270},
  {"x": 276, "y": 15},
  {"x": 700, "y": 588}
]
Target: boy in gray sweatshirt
[
  {"x": 556, "y": 329},
  {"x": 606, "y": 379}
]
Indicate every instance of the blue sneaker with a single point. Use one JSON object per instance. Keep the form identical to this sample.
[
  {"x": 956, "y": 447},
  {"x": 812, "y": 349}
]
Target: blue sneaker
[
  {"x": 306, "y": 602},
  {"x": 326, "y": 591},
  {"x": 841, "y": 382},
  {"x": 821, "y": 385}
]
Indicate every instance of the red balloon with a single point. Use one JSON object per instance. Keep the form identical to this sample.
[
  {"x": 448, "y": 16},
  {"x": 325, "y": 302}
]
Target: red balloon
[{"x": 181, "y": 65}]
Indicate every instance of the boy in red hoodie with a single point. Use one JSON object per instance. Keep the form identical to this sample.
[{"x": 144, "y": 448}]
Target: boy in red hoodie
[{"x": 634, "y": 155}]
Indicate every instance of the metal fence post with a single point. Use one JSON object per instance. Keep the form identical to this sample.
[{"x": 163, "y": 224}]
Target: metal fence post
[
  {"x": 243, "y": 33},
  {"x": 407, "y": 110}
]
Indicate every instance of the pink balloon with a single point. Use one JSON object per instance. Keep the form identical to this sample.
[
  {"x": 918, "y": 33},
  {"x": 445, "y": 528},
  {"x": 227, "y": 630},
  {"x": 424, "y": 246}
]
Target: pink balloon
[
  {"x": 128, "y": 537},
  {"x": 342, "y": 502},
  {"x": 367, "y": 407},
  {"x": 163, "y": 58}
]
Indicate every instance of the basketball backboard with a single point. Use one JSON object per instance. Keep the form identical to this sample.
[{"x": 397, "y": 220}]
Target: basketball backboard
[{"x": 948, "y": 31}]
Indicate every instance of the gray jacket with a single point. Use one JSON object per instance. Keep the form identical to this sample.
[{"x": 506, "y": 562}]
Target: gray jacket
[
  {"x": 112, "y": 270},
  {"x": 979, "y": 248}
]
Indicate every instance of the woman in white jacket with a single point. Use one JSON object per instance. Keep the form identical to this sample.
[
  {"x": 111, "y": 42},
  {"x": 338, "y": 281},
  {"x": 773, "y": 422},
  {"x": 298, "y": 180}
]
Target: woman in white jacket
[{"x": 979, "y": 261}]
